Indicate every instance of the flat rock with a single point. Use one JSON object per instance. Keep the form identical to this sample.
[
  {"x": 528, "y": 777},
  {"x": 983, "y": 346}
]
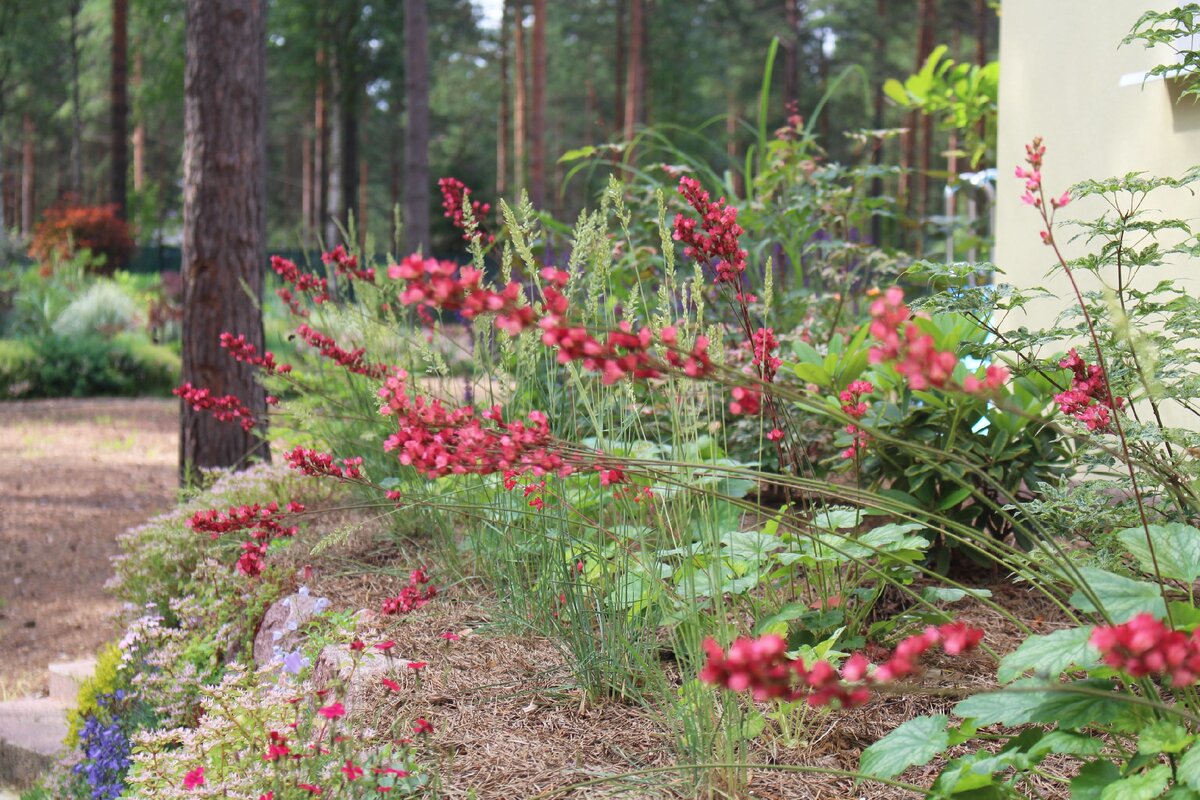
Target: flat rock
[
  {"x": 66, "y": 676},
  {"x": 279, "y": 632},
  {"x": 31, "y": 735}
]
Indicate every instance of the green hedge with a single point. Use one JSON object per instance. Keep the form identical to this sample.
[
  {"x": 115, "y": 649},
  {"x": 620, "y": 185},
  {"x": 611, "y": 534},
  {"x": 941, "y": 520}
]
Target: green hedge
[{"x": 57, "y": 366}]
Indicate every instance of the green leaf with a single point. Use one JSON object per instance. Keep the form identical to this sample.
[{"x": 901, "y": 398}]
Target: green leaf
[
  {"x": 939, "y": 594},
  {"x": 1022, "y": 704},
  {"x": 1092, "y": 779},
  {"x": 894, "y": 89},
  {"x": 576, "y": 154},
  {"x": 1068, "y": 743},
  {"x": 1188, "y": 770},
  {"x": 1164, "y": 736},
  {"x": 1176, "y": 547},
  {"x": 1144, "y": 786},
  {"x": 915, "y": 742},
  {"x": 1123, "y": 598},
  {"x": 1049, "y": 655}
]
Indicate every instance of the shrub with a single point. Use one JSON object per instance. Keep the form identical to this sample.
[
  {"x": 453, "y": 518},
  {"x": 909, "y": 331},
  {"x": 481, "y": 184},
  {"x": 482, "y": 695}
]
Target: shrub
[
  {"x": 86, "y": 366},
  {"x": 68, "y": 228},
  {"x": 104, "y": 309}
]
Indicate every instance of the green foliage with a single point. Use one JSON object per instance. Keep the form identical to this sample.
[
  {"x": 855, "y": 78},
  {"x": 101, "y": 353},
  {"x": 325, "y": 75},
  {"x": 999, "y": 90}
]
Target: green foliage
[
  {"x": 1176, "y": 29},
  {"x": 56, "y": 366},
  {"x": 104, "y": 681},
  {"x": 104, "y": 309}
]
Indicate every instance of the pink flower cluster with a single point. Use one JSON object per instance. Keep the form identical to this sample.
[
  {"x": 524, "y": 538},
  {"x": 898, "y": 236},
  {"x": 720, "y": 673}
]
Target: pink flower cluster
[
  {"x": 302, "y": 282},
  {"x": 746, "y": 401},
  {"x": 914, "y": 353},
  {"x": 443, "y": 285},
  {"x": 716, "y": 240},
  {"x": 454, "y": 192},
  {"x": 855, "y": 407},
  {"x": 762, "y": 667},
  {"x": 346, "y": 266},
  {"x": 438, "y": 441},
  {"x": 764, "y": 343},
  {"x": 1145, "y": 646},
  {"x": 262, "y": 521},
  {"x": 416, "y": 594},
  {"x": 314, "y": 463},
  {"x": 243, "y": 351},
  {"x": 352, "y": 360},
  {"x": 226, "y": 408},
  {"x": 1089, "y": 399}
]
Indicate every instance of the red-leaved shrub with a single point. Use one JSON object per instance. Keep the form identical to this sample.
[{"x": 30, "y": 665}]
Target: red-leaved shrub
[{"x": 68, "y": 227}]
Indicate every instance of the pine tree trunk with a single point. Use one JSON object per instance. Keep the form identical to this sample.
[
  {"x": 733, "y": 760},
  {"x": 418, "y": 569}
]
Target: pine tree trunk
[
  {"x": 320, "y": 186},
  {"x": 927, "y": 21},
  {"x": 634, "y": 89},
  {"x": 120, "y": 104},
  {"x": 224, "y": 220},
  {"x": 139, "y": 130},
  {"x": 537, "y": 122},
  {"x": 334, "y": 196},
  {"x": 307, "y": 195},
  {"x": 350, "y": 98},
  {"x": 363, "y": 198},
  {"x": 76, "y": 115},
  {"x": 28, "y": 175},
  {"x": 791, "y": 45},
  {"x": 504, "y": 125},
  {"x": 619, "y": 67},
  {"x": 416, "y": 143},
  {"x": 519, "y": 101}
]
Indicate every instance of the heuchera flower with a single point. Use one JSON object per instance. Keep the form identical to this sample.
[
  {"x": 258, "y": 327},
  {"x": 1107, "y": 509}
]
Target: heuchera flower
[
  {"x": 1089, "y": 399},
  {"x": 434, "y": 284},
  {"x": 1145, "y": 646},
  {"x": 243, "y": 351},
  {"x": 346, "y": 265},
  {"x": 194, "y": 779},
  {"x": 226, "y": 408},
  {"x": 352, "y": 360},
  {"x": 765, "y": 343},
  {"x": 352, "y": 771},
  {"x": 746, "y": 401},
  {"x": 716, "y": 240},
  {"x": 454, "y": 193},
  {"x": 302, "y": 282},
  {"x": 914, "y": 353},
  {"x": 277, "y": 747},
  {"x": 416, "y": 594},
  {"x": 317, "y": 464},
  {"x": 853, "y": 405},
  {"x": 422, "y": 726},
  {"x": 762, "y": 667}
]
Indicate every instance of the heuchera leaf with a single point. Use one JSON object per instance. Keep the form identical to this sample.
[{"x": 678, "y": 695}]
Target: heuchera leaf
[
  {"x": 1176, "y": 548},
  {"x": 1143, "y": 786},
  {"x": 1049, "y": 655},
  {"x": 914, "y": 742},
  {"x": 1123, "y": 598}
]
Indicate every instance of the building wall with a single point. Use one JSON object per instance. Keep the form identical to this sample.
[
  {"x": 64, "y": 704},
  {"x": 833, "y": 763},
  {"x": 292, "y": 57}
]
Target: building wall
[{"x": 1061, "y": 70}]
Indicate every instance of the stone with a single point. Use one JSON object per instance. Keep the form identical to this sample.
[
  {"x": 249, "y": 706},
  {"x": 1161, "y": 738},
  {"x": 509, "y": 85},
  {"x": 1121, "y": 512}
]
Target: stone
[
  {"x": 66, "y": 676},
  {"x": 279, "y": 633},
  {"x": 31, "y": 736}
]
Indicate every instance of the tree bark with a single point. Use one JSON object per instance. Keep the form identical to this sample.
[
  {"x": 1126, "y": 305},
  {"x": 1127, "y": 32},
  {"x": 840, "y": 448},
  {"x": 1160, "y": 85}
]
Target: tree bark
[
  {"x": 224, "y": 221},
  {"x": 28, "y": 179},
  {"x": 76, "y": 115},
  {"x": 504, "y": 120},
  {"x": 791, "y": 45},
  {"x": 320, "y": 186},
  {"x": 927, "y": 11},
  {"x": 363, "y": 198},
  {"x": 519, "y": 101},
  {"x": 619, "y": 67},
  {"x": 307, "y": 195},
  {"x": 334, "y": 194},
  {"x": 416, "y": 142},
  {"x": 634, "y": 79},
  {"x": 139, "y": 131},
  {"x": 537, "y": 122},
  {"x": 120, "y": 104}
]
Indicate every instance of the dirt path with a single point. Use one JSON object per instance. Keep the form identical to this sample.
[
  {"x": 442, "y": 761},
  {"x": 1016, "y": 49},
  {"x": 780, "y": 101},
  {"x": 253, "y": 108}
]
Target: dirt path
[{"x": 73, "y": 474}]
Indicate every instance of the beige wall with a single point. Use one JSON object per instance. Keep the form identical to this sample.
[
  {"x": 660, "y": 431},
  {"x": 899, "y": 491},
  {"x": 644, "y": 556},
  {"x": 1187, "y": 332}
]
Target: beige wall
[{"x": 1061, "y": 66}]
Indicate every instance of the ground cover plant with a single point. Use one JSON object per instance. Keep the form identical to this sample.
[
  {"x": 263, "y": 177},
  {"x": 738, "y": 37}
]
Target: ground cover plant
[{"x": 744, "y": 535}]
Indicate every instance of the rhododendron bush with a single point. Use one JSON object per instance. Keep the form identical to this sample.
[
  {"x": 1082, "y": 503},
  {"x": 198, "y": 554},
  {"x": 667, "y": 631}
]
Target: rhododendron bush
[{"x": 709, "y": 513}]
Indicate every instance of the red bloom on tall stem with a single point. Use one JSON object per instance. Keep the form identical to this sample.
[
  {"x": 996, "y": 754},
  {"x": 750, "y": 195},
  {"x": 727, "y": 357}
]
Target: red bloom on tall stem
[{"x": 715, "y": 241}]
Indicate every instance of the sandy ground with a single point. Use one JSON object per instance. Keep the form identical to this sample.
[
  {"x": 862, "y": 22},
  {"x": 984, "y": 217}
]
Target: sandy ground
[{"x": 73, "y": 474}]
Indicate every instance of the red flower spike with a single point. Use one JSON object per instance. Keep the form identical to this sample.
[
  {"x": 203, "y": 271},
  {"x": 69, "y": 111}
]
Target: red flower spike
[{"x": 716, "y": 241}]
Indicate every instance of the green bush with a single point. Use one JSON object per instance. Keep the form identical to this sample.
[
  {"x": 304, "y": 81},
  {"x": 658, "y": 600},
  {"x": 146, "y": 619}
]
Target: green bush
[
  {"x": 59, "y": 366},
  {"x": 104, "y": 309}
]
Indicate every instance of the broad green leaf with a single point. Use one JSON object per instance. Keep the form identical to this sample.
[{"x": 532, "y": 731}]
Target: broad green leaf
[
  {"x": 1025, "y": 702},
  {"x": 1123, "y": 598},
  {"x": 915, "y": 742},
  {"x": 1092, "y": 779},
  {"x": 1143, "y": 786},
  {"x": 576, "y": 154},
  {"x": 1164, "y": 736},
  {"x": 1068, "y": 743},
  {"x": 940, "y": 594},
  {"x": 1188, "y": 770},
  {"x": 1176, "y": 548},
  {"x": 1049, "y": 655}
]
